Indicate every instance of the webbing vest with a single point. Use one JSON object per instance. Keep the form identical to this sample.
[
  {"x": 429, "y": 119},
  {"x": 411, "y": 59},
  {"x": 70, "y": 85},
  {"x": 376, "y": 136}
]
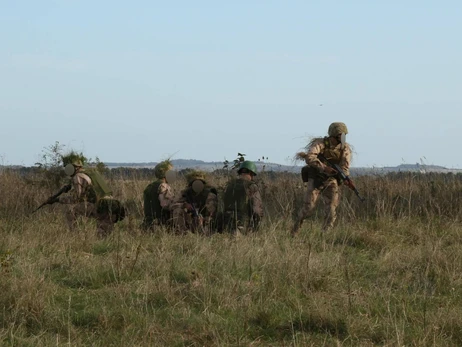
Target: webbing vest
[
  {"x": 332, "y": 153},
  {"x": 236, "y": 198},
  {"x": 198, "y": 200},
  {"x": 151, "y": 202}
]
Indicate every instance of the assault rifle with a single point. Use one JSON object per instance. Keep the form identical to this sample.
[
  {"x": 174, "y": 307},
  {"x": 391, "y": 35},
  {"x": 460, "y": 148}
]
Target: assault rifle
[
  {"x": 54, "y": 198},
  {"x": 194, "y": 212},
  {"x": 341, "y": 175},
  {"x": 197, "y": 216}
]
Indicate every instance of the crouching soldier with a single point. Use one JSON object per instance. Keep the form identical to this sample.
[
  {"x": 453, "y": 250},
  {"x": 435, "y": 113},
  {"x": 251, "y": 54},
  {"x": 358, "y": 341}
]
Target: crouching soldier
[
  {"x": 90, "y": 196},
  {"x": 243, "y": 206},
  {"x": 159, "y": 198},
  {"x": 199, "y": 204}
]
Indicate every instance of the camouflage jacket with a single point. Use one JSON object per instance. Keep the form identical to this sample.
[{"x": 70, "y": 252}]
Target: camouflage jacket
[{"x": 340, "y": 156}]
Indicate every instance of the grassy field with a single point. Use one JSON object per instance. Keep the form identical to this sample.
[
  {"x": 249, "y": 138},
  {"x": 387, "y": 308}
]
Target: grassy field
[{"x": 389, "y": 274}]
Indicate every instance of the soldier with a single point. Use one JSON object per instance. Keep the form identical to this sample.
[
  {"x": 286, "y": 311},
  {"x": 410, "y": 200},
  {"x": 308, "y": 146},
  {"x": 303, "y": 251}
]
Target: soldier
[
  {"x": 243, "y": 206},
  {"x": 199, "y": 202},
  {"x": 320, "y": 177},
  {"x": 158, "y": 198},
  {"x": 90, "y": 196}
]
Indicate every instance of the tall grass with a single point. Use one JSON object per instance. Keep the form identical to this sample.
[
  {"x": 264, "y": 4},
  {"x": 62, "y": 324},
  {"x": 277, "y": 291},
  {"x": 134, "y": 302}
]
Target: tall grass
[{"x": 389, "y": 274}]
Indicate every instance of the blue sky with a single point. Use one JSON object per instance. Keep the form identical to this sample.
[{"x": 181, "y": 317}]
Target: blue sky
[{"x": 141, "y": 81}]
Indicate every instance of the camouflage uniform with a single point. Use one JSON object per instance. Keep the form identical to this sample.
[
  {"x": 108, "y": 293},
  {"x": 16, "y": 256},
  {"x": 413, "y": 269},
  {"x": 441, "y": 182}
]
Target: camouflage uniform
[
  {"x": 243, "y": 205},
  {"x": 91, "y": 197},
  {"x": 159, "y": 199},
  {"x": 199, "y": 206},
  {"x": 317, "y": 181}
]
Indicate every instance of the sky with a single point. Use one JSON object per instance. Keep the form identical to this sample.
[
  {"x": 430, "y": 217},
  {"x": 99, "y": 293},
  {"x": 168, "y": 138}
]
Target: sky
[{"x": 142, "y": 81}]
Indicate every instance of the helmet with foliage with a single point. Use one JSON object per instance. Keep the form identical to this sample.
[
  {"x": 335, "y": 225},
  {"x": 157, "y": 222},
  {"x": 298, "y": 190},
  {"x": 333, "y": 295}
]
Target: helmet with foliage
[
  {"x": 249, "y": 165},
  {"x": 161, "y": 169},
  {"x": 77, "y": 162},
  {"x": 337, "y": 128},
  {"x": 74, "y": 158},
  {"x": 195, "y": 175}
]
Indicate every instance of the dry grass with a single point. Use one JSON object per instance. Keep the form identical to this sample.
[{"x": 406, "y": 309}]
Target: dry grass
[{"x": 389, "y": 274}]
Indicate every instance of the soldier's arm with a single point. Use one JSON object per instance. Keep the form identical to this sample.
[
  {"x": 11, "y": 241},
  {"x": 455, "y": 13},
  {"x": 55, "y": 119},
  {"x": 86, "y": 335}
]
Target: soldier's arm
[
  {"x": 211, "y": 204},
  {"x": 311, "y": 157},
  {"x": 79, "y": 185},
  {"x": 166, "y": 195},
  {"x": 182, "y": 201},
  {"x": 346, "y": 160},
  {"x": 256, "y": 200}
]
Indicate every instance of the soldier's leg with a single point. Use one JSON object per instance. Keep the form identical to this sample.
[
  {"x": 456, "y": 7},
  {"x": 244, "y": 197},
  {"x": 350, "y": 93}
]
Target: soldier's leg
[
  {"x": 234, "y": 223},
  {"x": 196, "y": 224},
  {"x": 71, "y": 218},
  {"x": 210, "y": 225},
  {"x": 219, "y": 222},
  {"x": 331, "y": 200},
  {"x": 309, "y": 203},
  {"x": 76, "y": 211},
  {"x": 178, "y": 219}
]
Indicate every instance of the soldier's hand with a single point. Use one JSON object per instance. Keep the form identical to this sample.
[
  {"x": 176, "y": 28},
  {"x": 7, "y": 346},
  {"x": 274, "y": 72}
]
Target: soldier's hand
[
  {"x": 188, "y": 207},
  {"x": 330, "y": 171}
]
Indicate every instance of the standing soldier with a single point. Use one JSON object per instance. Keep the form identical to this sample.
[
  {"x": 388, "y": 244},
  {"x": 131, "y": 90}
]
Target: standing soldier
[
  {"x": 158, "y": 198},
  {"x": 90, "y": 196},
  {"x": 243, "y": 206},
  {"x": 320, "y": 177},
  {"x": 199, "y": 204}
]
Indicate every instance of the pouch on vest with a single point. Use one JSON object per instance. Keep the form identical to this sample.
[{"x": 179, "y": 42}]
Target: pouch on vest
[
  {"x": 309, "y": 172},
  {"x": 235, "y": 198}
]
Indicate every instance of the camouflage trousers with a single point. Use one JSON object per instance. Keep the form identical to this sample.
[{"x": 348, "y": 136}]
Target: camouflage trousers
[
  {"x": 230, "y": 222},
  {"x": 104, "y": 220},
  {"x": 329, "y": 190},
  {"x": 184, "y": 221},
  {"x": 173, "y": 218}
]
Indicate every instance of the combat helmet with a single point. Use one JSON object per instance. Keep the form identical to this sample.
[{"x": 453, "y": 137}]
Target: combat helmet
[
  {"x": 337, "y": 128},
  {"x": 249, "y": 165},
  {"x": 73, "y": 158},
  {"x": 194, "y": 176},
  {"x": 77, "y": 163},
  {"x": 161, "y": 169}
]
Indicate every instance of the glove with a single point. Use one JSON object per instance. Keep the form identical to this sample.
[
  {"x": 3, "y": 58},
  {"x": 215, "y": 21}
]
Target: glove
[{"x": 188, "y": 207}]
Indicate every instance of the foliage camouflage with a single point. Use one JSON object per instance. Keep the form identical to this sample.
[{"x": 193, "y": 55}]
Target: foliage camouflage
[
  {"x": 195, "y": 175},
  {"x": 161, "y": 169}
]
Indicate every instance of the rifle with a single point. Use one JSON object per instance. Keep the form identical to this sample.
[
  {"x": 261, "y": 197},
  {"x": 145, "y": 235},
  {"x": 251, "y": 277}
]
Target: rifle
[
  {"x": 195, "y": 213},
  {"x": 341, "y": 175},
  {"x": 198, "y": 217},
  {"x": 54, "y": 198}
]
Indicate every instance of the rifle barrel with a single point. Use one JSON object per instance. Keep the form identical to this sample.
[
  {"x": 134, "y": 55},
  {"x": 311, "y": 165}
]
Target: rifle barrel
[{"x": 342, "y": 174}]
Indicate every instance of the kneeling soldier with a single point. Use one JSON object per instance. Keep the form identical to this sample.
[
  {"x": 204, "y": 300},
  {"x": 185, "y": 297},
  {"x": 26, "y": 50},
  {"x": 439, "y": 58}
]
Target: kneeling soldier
[
  {"x": 90, "y": 196},
  {"x": 243, "y": 206}
]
